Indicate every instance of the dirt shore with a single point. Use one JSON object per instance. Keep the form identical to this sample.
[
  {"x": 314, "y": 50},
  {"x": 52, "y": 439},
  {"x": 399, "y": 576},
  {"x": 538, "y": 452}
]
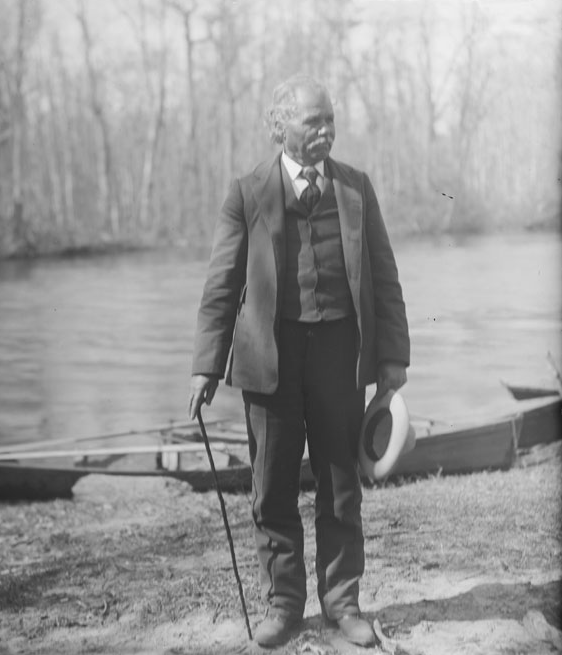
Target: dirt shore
[{"x": 459, "y": 565}]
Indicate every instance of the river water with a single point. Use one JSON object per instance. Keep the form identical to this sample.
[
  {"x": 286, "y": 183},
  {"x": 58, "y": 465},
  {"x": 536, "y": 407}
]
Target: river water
[{"x": 101, "y": 344}]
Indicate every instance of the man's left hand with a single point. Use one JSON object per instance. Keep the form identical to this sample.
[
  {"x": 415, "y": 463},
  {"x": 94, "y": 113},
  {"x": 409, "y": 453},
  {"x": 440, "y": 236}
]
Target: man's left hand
[{"x": 391, "y": 375}]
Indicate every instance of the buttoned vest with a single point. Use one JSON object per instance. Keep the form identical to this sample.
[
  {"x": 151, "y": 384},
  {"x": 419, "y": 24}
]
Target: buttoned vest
[{"x": 315, "y": 287}]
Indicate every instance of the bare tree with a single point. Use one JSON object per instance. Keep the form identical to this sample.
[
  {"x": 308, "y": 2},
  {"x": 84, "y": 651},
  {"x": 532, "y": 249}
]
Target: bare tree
[
  {"x": 154, "y": 71},
  {"x": 18, "y": 122},
  {"x": 106, "y": 178},
  {"x": 49, "y": 140},
  {"x": 224, "y": 33},
  {"x": 190, "y": 157},
  {"x": 66, "y": 133},
  {"x": 186, "y": 10},
  {"x": 473, "y": 78},
  {"x": 430, "y": 101}
]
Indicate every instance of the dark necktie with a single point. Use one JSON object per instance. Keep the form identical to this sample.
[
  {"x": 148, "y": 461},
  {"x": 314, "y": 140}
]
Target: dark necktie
[{"x": 311, "y": 194}]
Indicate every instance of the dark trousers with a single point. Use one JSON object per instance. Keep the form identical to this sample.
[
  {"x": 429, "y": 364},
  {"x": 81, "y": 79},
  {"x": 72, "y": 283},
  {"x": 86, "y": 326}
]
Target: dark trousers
[{"x": 316, "y": 400}]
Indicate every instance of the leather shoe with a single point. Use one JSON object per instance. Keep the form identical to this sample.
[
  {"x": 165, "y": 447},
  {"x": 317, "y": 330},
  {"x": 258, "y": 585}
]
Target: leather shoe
[
  {"x": 356, "y": 630},
  {"x": 275, "y": 629}
]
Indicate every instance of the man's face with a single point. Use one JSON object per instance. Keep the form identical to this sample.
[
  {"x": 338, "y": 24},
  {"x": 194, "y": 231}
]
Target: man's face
[{"x": 309, "y": 134}]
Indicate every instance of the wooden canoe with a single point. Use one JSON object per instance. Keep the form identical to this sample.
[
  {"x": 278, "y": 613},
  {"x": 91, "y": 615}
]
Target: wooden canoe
[
  {"x": 542, "y": 421},
  {"x": 32, "y": 481},
  {"x": 26, "y": 471},
  {"x": 460, "y": 448},
  {"x": 37, "y": 482},
  {"x": 527, "y": 393}
]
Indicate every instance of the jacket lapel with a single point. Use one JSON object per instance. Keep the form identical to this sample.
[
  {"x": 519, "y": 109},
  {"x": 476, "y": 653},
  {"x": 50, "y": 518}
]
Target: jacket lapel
[
  {"x": 269, "y": 194},
  {"x": 350, "y": 208}
]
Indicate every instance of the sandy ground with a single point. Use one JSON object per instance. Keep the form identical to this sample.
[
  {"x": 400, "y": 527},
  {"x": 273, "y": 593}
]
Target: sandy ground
[{"x": 465, "y": 565}]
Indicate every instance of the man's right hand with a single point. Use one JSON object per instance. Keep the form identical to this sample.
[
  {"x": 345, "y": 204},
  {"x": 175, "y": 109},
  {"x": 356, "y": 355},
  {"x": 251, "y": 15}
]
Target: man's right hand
[{"x": 203, "y": 389}]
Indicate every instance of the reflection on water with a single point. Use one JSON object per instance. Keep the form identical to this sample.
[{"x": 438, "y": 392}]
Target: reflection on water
[{"x": 101, "y": 344}]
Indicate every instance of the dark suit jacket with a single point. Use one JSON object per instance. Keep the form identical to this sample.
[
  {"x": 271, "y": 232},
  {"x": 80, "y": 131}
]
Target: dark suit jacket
[{"x": 239, "y": 311}]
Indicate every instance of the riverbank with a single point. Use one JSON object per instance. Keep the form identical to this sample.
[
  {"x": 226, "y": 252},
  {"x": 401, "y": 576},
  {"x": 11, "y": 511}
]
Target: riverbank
[
  {"x": 64, "y": 247},
  {"x": 467, "y": 564}
]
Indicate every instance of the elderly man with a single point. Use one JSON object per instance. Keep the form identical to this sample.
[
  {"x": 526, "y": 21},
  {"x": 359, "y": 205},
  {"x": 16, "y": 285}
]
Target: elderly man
[{"x": 303, "y": 292}]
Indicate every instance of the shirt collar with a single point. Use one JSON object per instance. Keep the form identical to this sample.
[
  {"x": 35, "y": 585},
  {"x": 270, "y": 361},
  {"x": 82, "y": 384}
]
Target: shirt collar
[{"x": 294, "y": 168}]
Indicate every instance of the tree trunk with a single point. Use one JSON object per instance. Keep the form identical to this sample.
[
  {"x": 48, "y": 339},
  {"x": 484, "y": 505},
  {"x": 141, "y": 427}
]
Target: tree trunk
[
  {"x": 49, "y": 138},
  {"x": 157, "y": 102},
  {"x": 66, "y": 140},
  {"x": 106, "y": 182},
  {"x": 18, "y": 122}
]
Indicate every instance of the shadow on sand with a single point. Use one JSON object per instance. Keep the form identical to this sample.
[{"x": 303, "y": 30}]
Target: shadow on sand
[{"x": 483, "y": 602}]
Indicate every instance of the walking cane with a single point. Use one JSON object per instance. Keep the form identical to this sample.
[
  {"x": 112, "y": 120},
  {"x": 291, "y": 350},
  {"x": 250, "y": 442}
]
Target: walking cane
[{"x": 225, "y": 521}]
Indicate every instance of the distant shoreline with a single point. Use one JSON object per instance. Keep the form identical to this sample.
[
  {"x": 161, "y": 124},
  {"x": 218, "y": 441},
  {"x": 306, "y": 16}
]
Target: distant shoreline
[{"x": 201, "y": 251}]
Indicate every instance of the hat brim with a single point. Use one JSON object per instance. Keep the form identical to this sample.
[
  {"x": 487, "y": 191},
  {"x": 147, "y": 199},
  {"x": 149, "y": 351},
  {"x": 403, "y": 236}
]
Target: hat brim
[{"x": 386, "y": 434}]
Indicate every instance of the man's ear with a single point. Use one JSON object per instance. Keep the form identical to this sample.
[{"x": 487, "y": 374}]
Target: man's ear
[{"x": 280, "y": 132}]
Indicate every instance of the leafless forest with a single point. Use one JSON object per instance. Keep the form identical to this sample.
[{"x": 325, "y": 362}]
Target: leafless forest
[{"x": 123, "y": 121}]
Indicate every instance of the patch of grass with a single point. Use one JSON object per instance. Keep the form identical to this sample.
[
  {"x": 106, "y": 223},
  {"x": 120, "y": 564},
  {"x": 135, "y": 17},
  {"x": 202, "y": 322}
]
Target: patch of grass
[
  {"x": 478, "y": 519},
  {"x": 13, "y": 592},
  {"x": 155, "y": 552}
]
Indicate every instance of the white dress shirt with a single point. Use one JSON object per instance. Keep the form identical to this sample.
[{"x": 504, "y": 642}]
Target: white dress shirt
[{"x": 294, "y": 169}]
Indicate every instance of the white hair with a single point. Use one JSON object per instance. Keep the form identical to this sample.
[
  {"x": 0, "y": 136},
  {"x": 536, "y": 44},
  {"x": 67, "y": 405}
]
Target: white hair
[{"x": 284, "y": 105}]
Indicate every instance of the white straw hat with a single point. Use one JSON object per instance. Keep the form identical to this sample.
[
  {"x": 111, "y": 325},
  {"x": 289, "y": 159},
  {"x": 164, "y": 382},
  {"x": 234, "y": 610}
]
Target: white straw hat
[{"x": 386, "y": 434}]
